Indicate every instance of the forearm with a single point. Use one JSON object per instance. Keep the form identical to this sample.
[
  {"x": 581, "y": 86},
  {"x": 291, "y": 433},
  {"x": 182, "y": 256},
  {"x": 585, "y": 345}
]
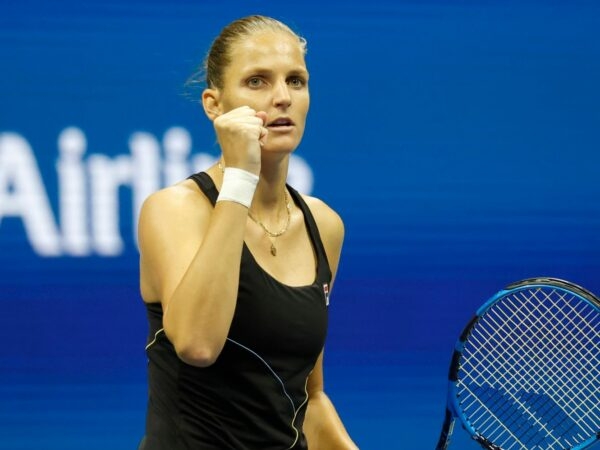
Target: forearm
[
  {"x": 200, "y": 310},
  {"x": 323, "y": 427}
]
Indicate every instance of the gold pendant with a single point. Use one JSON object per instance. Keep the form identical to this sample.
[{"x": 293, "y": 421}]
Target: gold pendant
[{"x": 273, "y": 250}]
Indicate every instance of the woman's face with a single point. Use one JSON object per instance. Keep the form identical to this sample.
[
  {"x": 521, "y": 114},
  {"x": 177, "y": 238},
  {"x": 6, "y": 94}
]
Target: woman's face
[{"x": 268, "y": 73}]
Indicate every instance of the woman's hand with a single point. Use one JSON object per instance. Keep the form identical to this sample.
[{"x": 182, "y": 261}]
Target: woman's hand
[{"x": 241, "y": 133}]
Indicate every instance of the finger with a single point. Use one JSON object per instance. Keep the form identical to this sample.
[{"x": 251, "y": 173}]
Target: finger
[
  {"x": 263, "y": 136},
  {"x": 262, "y": 116}
]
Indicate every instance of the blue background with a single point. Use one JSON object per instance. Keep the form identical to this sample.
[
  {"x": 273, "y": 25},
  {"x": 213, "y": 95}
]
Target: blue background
[{"x": 459, "y": 140}]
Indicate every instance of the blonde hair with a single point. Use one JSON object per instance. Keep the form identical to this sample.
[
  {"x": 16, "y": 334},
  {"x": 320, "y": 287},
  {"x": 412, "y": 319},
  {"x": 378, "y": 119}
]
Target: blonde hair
[{"x": 219, "y": 55}]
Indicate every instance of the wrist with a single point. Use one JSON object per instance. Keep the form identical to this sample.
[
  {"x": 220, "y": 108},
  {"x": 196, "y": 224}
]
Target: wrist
[{"x": 238, "y": 186}]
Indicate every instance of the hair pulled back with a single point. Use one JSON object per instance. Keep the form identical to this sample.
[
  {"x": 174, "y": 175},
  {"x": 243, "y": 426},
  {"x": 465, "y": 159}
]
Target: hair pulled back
[{"x": 219, "y": 55}]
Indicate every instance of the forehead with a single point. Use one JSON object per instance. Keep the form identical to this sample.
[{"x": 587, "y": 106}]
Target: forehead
[{"x": 271, "y": 49}]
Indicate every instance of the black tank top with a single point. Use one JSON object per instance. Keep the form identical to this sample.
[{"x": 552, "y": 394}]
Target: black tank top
[{"x": 254, "y": 396}]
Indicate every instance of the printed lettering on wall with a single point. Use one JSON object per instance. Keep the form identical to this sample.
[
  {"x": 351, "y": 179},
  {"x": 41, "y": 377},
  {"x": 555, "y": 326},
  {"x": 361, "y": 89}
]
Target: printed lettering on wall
[{"x": 85, "y": 218}]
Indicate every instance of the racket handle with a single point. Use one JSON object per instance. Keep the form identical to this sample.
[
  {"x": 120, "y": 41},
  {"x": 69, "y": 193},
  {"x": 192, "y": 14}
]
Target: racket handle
[{"x": 447, "y": 429}]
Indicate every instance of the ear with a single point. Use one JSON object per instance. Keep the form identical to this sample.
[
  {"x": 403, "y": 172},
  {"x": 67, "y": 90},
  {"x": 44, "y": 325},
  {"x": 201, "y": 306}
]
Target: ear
[{"x": 211, "y": 103}]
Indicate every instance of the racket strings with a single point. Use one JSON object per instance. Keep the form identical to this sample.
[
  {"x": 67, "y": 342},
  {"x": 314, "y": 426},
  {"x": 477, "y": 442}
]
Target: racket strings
[
  {"x": 539, "y": 355},
  {"x": 493, "y": 412},
  {"x": 574, "y": 380},
  {"x": 510, "y": 424},
  {"x": 536, "y": 373},
  {"x": 534, "y": 405},
  {"x": 555, "y": 349}
]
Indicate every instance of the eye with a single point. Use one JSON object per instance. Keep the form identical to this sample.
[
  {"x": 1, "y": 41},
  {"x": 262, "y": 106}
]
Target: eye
[
  {"x": 254, "y": 82},
  {"x": 296, "y": 82}
]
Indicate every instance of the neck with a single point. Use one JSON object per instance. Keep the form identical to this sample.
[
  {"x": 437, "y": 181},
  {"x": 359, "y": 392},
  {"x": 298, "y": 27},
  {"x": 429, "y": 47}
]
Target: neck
[
  {"x": 271, "y": 206},
  {"x": 271, "y": 183}
]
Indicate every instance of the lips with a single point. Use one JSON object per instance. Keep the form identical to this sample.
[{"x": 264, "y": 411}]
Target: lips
[{"x": 281, "y": 122}]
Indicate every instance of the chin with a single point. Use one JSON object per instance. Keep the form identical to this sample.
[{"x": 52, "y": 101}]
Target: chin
[
  {"x": 280, "y": 147},
  {"x": 278, "y": 150}
]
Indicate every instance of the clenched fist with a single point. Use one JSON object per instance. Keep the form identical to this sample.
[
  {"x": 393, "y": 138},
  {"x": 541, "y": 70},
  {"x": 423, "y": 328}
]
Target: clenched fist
[{"x": 241, "y": 133}]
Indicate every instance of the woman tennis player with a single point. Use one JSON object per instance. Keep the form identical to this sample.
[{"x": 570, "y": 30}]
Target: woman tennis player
[{"x": 237, "y": 267}]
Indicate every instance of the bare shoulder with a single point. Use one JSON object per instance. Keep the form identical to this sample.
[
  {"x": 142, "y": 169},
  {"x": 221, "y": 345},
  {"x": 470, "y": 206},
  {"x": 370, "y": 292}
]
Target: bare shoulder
[
  {"x": 178, "y": 195},
  {"x": 324, "y": 214},
  {"x": 180, "y": 201},
  {"x": 173, "y": 214},
  {"x": 329, "y": 222}
]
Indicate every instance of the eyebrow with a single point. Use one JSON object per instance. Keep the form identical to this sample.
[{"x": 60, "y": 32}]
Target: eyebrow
[{"x": 264, "y": 71}]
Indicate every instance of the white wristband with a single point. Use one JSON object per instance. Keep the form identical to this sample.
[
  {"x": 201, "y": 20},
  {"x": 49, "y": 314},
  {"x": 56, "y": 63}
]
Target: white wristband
[{"x": 238, "y": 186}]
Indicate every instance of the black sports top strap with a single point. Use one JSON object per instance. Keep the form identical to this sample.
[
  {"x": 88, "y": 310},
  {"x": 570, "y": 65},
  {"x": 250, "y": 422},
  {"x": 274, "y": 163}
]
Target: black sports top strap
[
  {"x": 313, "y": 230},
  {"x": 207, "y": 185}
]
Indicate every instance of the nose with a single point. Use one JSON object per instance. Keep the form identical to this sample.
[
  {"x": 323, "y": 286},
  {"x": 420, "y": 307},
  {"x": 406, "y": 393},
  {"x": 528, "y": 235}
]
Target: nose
[{"x": 281, "y": 94}]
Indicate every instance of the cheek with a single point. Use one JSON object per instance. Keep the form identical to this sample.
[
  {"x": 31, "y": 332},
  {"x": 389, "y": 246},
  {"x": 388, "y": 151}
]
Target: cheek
[
  {"x": 233, "y": 98},
  {"x": 302, "y": 119},
  {"x": 304, "y": 105},
  {"x": 229, "y": 103}
]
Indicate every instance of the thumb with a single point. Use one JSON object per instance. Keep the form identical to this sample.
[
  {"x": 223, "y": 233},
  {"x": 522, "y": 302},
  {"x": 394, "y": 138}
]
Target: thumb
[{"x": 263, "y": 116}]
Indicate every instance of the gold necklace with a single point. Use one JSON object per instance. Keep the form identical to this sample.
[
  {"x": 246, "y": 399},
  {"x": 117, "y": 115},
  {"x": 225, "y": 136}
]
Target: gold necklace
[
  {"x": 276, "y": 234},
  {"x": 271, "y": 234}
]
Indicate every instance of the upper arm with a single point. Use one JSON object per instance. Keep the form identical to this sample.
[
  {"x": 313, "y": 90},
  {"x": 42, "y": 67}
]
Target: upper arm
[
  {"x": 171, "y": 225},
  {"x": 315, "y": 379}
]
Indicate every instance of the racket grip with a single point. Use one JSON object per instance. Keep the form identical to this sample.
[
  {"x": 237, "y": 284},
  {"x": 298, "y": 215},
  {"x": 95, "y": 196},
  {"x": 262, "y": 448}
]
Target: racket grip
[{"x": 447, "y": 429}]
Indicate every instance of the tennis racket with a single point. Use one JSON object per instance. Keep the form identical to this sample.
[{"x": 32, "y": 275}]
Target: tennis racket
[{"x": 525, "y": 373}]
